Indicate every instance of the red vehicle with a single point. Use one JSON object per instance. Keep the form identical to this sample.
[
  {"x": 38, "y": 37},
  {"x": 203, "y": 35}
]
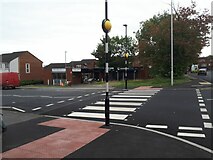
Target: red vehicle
[{"x": 9, "y": 80}]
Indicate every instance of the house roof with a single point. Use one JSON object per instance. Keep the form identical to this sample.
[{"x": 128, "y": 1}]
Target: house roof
[
  {"x": 56, "y": 65},
  {"x": 7, "y": 57}
]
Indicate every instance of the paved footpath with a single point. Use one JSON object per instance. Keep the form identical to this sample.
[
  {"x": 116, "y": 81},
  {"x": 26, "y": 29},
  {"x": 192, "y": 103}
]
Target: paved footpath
[{"x": 65, "y": 138}]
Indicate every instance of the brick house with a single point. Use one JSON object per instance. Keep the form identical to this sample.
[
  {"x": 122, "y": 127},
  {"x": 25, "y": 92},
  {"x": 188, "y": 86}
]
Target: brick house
[
  {"x": 57, "y": 74},
  {"x": 26, "y": 64},
  {"x": 75, "y": 72}
]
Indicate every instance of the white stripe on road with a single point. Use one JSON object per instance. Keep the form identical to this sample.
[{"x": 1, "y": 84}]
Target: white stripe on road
[
  {"x": 200, "y": 97},
  {"x": 139, "y": 94},
  {"x": 120, "y": 103},
  {"x": 207, "y": 125},
  {"x": 205, "y": 83},
  {"x": 205, "y": 116},
  {"x": 200, "y": 101},
  {"x": 190, "y": 128},
  {"x": 202, "y": 104},
  {"x": 97, "y": 115},
  {"x": 128, "y": 99},
  {"x": 157, "y": 126},
  {"x": 209, "y": 99},
  {"x": 191, "y": 135},
  {"x": 126, "y": 96},
  {"x": 137, "y": 90},
  {"x": 60, "y": 102},
  {"x": 46, "y": 97},
  {"x": 86, "y": 95},
  {"x": 100, "y": 108},
  {"x": 203, "y": 109},
  {"x": 79, "y": 97},
  {"x": 70, "y": 99},
  {"x": 18, "y": 109},
  {"x": 48, "y": 105},
  {"x": 35, "y": 109}
]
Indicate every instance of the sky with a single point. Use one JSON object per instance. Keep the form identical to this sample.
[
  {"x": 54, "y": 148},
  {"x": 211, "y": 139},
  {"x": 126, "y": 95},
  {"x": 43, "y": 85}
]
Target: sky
[{"x": 49, "y": 28}]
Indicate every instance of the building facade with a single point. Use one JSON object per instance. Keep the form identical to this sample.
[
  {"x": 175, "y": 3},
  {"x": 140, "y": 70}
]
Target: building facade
[{"x": 24, "y": 63}]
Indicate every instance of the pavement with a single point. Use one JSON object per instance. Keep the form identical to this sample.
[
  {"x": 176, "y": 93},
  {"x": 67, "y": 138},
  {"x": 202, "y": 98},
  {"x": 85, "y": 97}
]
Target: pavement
[{"x": 40, "y": 136}]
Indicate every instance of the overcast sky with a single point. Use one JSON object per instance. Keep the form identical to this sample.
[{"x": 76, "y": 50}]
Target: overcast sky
[{"x": 48, "y": 28}]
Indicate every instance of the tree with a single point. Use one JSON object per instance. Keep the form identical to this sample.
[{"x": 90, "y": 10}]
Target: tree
[
  {"x": 116, "y": 51},
  {"x": 191, "y": 34}
]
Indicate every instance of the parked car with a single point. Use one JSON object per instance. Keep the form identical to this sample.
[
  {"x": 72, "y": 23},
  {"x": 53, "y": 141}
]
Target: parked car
[
  {"x": 202, "y": 71},
  {"x": 9, "y": 80}
]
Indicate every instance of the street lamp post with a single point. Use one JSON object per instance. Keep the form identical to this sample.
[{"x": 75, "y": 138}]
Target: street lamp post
[
  {"x": 126, "y": 56},
  {"x": 106, "y": 26},
  {"x": 172, "y": 46}
]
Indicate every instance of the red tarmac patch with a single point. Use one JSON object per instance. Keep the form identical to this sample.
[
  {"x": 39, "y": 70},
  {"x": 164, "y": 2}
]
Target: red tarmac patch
[{"x": 75, "y": 135}]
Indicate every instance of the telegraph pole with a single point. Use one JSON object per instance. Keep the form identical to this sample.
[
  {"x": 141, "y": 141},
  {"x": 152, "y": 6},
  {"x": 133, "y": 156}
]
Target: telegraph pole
[{"x": 106, "y": 26}]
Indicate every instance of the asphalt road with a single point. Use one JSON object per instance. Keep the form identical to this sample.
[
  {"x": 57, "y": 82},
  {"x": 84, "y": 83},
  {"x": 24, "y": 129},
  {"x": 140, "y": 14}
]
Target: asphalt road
[{"x": 183, "y": 112}]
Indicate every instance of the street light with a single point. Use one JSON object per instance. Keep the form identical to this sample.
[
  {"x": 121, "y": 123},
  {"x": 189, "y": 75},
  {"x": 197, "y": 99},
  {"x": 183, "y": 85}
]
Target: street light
[
  {"x": 126, "y": 56},
  {"x": 172, "y": 46}
]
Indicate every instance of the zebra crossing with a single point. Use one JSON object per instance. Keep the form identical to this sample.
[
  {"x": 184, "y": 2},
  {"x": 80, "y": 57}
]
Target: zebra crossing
[{"x": 122, "y": 105}]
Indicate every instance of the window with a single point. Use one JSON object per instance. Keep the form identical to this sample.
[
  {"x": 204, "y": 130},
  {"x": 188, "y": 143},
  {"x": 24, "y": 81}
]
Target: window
[{"x": 27, "y": 68}]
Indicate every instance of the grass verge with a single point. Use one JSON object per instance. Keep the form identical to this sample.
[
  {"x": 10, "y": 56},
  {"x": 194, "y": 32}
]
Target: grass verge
[{"x": 155, "y": 82}]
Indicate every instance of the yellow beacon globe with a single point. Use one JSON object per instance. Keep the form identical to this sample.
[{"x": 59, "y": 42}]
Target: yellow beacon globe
[{"x": 107, "y": 25}]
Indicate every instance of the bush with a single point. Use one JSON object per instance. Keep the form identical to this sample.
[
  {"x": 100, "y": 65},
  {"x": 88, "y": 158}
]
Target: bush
[{"x": 31, "y": 82}]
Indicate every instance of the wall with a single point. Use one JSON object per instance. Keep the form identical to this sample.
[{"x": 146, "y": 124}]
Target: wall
[
  {"x": 14, "y": 65},
  {"x": 36, "y": 70}
]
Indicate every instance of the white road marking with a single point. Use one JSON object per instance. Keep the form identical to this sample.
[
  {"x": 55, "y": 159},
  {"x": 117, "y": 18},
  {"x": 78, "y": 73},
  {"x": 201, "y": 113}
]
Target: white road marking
[
  {"x": 182, "y": 134},
  {"x": 190, "y": 128},
  {"x": 5, "y": 107},
  {"x": 200, "y": 101},
  {"x": 100, "y": 108},
  {"x": 207, "y": 125},
  {"x": 202, "y": 104},
  {"x": 157, "y": 126},
  {"x": 139, "y": 93},
  {"x": 166, "y": 135},
  {"x": 120, "y": 103},
  {"x": 18, "y": 109},
  {"x": 79, "y": 97},
  {"x": 203, "y": 109},
  {"x": 138, "y": 90},
  {"x": 200, "y": 97},
  {"x": 209, "y": 99},
  {"x": 46, "y": 97},
  {"x": 126, "y": 96},
  {"x": 60, "y": 102},
  {"x": 93, "y": 93},
  {"x": 205, "y": 83},
  {"x": 128, "y": 99},
  {"x": 205, "y": 116},
  {"x": 70, "y": 99},
  {"x": 35, "y": 109},
  {"x": 48, "y": 105},
  {"x": 86, "y": 95},
  {"x": 97, "y": 115}
]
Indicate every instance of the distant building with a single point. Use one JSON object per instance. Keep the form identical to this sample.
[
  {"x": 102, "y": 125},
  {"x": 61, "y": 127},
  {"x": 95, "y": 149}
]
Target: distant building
[
  {"x": 26, "y": 64},
  {"x": 205, "y": 62},
  {"x": 75, "y": 72}
]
